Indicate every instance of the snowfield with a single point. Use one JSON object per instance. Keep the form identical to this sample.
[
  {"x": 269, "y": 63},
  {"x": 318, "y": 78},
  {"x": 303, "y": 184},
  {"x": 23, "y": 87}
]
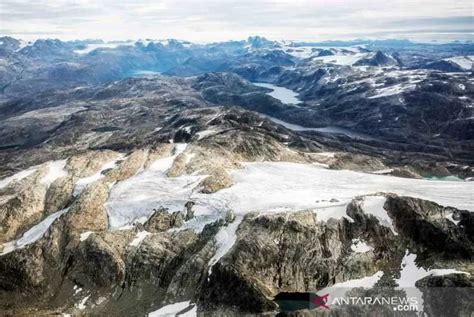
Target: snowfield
[
  {"x": 173, "y": 310},
  {"x": 270, "y": 187},
  {"x": 273, "y": 186},
  {"x": 263, "y": 187},
  {"x": 134, "y": 199},
  {"x": 342, "y": 59}
]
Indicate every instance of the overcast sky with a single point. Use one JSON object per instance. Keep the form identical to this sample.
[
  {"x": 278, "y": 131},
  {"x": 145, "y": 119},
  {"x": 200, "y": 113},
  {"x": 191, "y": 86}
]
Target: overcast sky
[{"x": 216, "y": 20}]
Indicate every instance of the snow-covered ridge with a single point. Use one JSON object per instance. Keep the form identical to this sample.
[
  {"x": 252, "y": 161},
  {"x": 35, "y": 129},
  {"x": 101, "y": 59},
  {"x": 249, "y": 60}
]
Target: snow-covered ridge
[
  {"x": 270, "y": 187},
  {"x": 112, "y": 45},
  {"x": 465, "y": 62},
  {"x": 267, "y": 186},
  {"x": 55, "y": 170}
]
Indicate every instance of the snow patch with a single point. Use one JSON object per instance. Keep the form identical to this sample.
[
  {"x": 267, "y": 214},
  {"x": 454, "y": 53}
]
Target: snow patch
[
  {"x": 174, "y": 309},
  {"x": 465, "y": 62},
  {"x": 373, "y": 205},
  {"x": 83, "y": 182},
  {"x": 410, "y": 273},
  {"x": 82, "y": 303},
  {"x": 392, "y": 90},
  {"x": 334, "y": 211},
  {"x": 205, "y": 133},
  {"x": 32, "y": 235},
  {"x": 139, "y": 238},
  {"x": 359, "y": 246},
  {"x": 340, "y": 289},
  {"x": 225, "y": 239},
  {"x": 341, "y": 59},
  {"x": 383, "y": 172},
  {"x": 450, "y": 218},
  {"x": 85, "y": 235},
  {"x": 328, "y": 129},
  {"x": 56, "y": 170}
]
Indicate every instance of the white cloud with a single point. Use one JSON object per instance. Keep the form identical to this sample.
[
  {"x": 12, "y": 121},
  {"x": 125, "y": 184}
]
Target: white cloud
[{"x": 214, "y": 20}]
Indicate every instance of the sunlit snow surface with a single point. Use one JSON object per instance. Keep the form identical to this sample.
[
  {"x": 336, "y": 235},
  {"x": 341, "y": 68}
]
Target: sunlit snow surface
[
  {"x": 283, "y": 94},
  {"x": 410, "y": 273},
  {"x": 373, "y": 205},
  {"x": 55, "y": 170},
  {"x": 270, "y": 186},
  {"x": 465, "y": 62},
  {"x": 359, "y": 246},
  {"x": 136, "y": 197},
  {"x": 174, "y": 309},
  {"x": 341, "y": 59}
]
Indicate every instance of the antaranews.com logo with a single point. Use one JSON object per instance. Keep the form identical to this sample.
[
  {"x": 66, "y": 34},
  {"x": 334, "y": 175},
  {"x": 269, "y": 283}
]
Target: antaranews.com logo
[{"x": 297, "y": 301}]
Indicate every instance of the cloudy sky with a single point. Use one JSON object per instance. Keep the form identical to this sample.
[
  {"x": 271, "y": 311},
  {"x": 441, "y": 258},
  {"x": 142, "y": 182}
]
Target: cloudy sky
[{"x": 216, "y": 20}]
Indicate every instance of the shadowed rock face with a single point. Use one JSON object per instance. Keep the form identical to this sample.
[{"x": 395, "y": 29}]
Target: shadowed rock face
[{"x": 426, "y": 224}]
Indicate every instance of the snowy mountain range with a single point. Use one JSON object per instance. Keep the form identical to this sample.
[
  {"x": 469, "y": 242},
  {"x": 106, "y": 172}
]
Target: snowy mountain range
[{"x": 164, "y": 177}]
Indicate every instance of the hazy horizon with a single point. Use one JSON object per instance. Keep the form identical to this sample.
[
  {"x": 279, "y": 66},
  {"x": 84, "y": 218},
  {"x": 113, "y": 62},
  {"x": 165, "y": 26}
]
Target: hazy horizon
[{"x": 222, "y": 20}]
